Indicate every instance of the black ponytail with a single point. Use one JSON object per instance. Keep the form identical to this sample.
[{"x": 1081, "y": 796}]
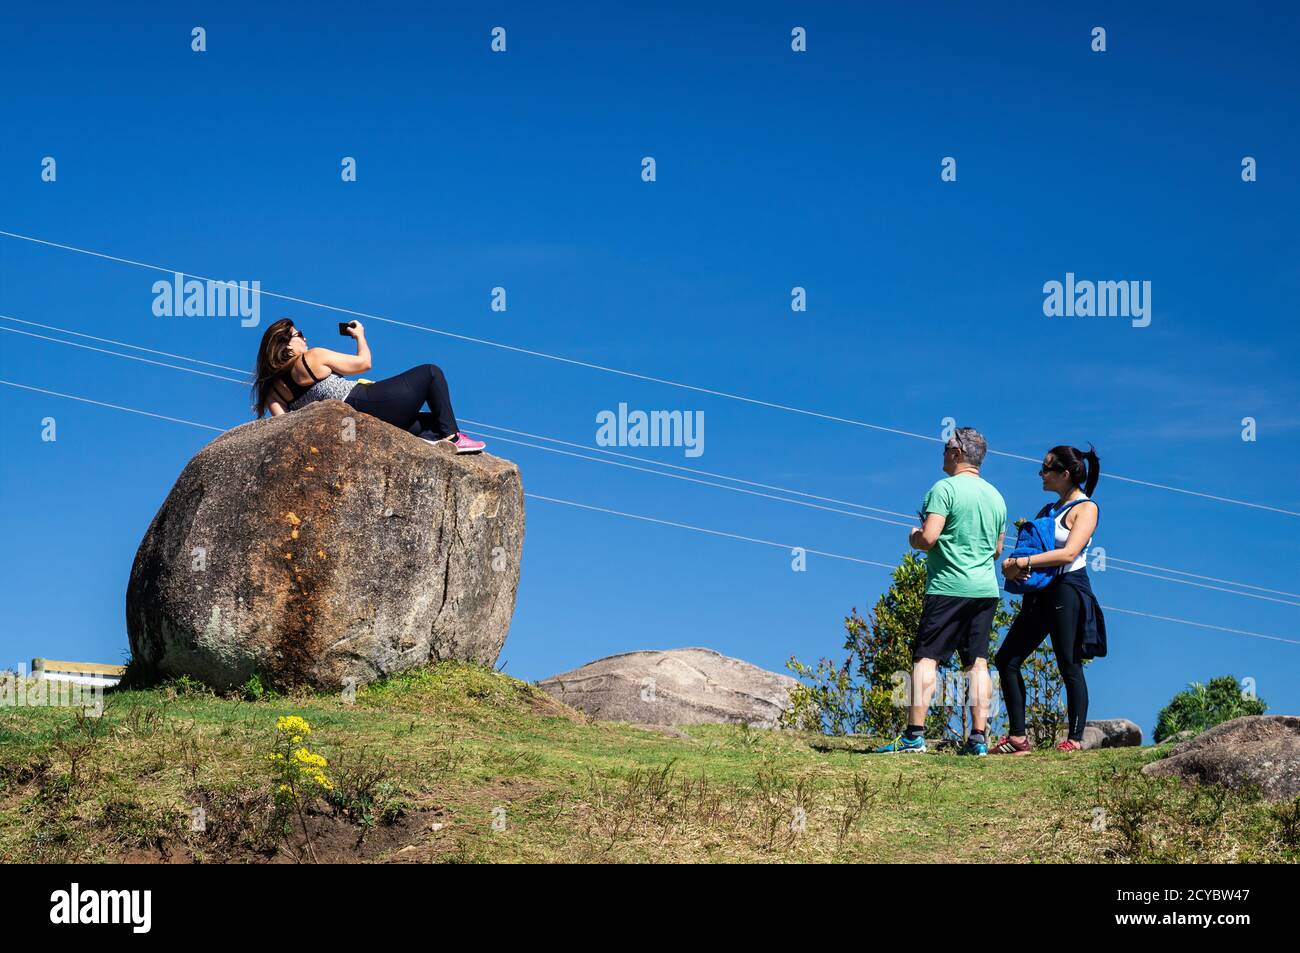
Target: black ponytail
[
  {"x": 1084, "y": 467},
  {"x": 1094, "y": 470}
]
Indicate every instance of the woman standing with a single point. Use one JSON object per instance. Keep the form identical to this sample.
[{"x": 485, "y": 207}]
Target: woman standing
[{"x": 1065, "y": 609}]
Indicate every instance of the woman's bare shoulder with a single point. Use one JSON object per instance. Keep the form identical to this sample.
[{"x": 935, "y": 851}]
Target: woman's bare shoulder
[
  {"x": 1073, "y": 513},
  {"x": 318, "y": 359}
]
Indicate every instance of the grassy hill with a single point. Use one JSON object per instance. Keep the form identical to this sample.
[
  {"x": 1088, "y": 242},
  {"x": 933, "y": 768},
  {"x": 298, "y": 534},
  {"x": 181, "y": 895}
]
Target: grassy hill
[{"x": 459, "y": 763}]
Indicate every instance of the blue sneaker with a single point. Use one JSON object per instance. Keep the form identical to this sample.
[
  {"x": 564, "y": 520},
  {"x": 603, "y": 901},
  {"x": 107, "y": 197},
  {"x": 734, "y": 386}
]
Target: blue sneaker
[
  {"x": 902, "y": 745},
  {"x": 978, "y": 749}
]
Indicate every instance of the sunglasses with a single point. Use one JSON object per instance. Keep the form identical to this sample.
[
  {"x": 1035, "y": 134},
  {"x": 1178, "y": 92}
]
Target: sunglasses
[{"x": 1054, "y": 468}]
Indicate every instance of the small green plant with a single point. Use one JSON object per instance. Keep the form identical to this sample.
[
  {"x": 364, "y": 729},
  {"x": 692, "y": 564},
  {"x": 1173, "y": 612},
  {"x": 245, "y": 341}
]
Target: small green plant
[
  {"x": 255, "y": 691},
  {"x": 1202, "y": 706},
  {"x": 78, "y": 741},
  {"x": 184, "y": 686},
  {"x": 363, "y": 791},
  {"x": 747, "y": 738},
  {"x": 1288, "y": 823},
  {"x": 861, "y": 796},
  {"x": 783, "y": 801}
]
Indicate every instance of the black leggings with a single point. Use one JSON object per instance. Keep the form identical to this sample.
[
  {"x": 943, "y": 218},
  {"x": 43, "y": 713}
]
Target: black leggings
[
  {"x": 400, "y": 401},
  {"x": 1055, "y": 610}
]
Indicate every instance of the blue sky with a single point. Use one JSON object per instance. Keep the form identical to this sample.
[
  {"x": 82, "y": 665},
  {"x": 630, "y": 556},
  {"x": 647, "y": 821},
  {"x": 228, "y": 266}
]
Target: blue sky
[{"x": 775, "y": 169}]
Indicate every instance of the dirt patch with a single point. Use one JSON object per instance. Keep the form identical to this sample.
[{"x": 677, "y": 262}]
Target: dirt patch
[
  {"x": 424, "y": 834},
  {"x": 329, "y": 840}
]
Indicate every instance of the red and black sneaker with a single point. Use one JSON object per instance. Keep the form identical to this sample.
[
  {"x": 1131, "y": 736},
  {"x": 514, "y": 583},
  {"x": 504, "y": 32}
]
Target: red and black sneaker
[
  {"x": 1069, "y": 745},
  {"x": 1008, "y": 746}
]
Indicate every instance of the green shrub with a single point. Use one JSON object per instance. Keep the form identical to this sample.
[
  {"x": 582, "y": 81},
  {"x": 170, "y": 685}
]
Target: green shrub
[
  {"x": 1199, "y": 707},
  {"x": 860, "y": 696},
  {"x": 255, "y": 690}
]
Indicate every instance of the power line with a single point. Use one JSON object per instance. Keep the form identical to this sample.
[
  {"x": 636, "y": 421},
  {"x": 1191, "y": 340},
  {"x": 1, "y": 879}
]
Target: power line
[
  {"x": 686, "y": 526},
  {"x": 711, "y": 532},
  {"x": 134, "y": 347},
  {"x": 1200, "y": 625},
  {"x": 1135, "y": 572},
  {"x": 100, "y": 403},
  {"x": 673, "y": 466},
  {"x": 585, "y": 456},
  {"x": 1203, "y": 625},
  {"x": 720, "y": 486},
  {"x": 1183, "y": 572},
  {"x": 129, "y": 357},
  {"x": 635, "y": 375},
  {"x": 1201, "y": 585},
  {"x": 828, "y": 499}
]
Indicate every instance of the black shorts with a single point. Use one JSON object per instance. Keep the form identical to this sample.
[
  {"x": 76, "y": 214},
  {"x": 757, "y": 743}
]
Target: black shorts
[{"x": 954, "y": 622}]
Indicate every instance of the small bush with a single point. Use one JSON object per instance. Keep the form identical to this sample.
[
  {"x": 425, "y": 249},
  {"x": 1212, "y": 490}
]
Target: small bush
[
  {"x": 1288, "y": 823},
  {"x": 364, "y": 792},
  {"x": 867, "y": 693},
  {"x": 1145, "y": 820},
  {"x": 1199, "y": 707},
  {"x": 255, "y": 690}
]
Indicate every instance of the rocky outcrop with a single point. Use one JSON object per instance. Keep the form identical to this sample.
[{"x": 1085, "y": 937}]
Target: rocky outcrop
[
  {"x": 324, "y": 547},
  {"x": 1261, "y": 751},
  {"x": 1111, "y": 733},
  {"x": 674, "y": 687}
]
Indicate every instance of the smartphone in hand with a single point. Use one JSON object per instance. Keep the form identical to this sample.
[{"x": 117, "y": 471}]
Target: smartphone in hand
[{"x": 345, "y": 327}]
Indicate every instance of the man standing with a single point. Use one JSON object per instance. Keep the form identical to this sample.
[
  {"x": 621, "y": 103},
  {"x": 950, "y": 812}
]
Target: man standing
[{"x": 963, "y": 520}]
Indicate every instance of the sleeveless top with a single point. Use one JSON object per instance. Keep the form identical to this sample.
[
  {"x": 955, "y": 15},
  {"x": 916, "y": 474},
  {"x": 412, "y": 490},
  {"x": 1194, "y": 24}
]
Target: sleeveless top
[
  {"x": 329, "y": 387},
  {"x": 1063, "y": 534}
]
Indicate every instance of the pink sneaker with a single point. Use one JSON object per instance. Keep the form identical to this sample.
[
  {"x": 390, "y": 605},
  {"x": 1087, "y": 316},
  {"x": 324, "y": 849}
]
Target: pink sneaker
[{"x": 464, "y": 443}]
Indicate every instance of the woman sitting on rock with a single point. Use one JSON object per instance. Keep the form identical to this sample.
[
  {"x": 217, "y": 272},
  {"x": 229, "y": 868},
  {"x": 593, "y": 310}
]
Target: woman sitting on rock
[{"x": 290, "y": 375}]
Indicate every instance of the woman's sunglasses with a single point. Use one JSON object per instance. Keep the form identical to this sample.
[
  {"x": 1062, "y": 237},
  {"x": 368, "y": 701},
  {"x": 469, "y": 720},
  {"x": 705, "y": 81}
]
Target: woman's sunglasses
[{"x": 1054, "y": 468}]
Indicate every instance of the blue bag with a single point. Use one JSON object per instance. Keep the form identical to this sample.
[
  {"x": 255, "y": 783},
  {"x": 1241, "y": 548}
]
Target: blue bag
[{"x": 1035, "y": 537}]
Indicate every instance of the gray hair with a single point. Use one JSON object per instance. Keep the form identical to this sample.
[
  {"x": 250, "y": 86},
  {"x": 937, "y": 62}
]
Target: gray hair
[{"x": 972, "y": 444}]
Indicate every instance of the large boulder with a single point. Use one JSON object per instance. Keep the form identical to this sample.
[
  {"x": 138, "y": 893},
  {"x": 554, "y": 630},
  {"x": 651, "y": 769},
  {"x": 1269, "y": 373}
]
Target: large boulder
[
  {"x": 324, "y": 547},
  {"x": 1111, "y": 733},
  {"x": 1262, "y": 751},
  {"x": 674, "y": 687}
]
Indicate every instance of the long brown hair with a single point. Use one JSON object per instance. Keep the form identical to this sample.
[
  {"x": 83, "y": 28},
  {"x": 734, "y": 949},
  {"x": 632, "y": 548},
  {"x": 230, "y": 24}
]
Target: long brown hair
[{"x": 272, "y": 358}]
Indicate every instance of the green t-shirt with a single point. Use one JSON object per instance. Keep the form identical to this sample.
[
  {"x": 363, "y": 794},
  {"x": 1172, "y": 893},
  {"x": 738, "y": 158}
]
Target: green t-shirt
[{"x": 975, "y": 515}]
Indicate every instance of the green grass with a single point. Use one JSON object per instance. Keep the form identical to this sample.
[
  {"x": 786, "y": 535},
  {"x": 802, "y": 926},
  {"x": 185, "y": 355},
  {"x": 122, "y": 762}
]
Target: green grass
[{"x": 459, "y": 763}]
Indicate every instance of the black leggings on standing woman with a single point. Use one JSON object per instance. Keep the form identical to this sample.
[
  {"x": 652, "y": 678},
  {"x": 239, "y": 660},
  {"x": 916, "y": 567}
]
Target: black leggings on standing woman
[
  {"x": 1055, "y": 609},
  {"x": 400, "y": 401}
]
